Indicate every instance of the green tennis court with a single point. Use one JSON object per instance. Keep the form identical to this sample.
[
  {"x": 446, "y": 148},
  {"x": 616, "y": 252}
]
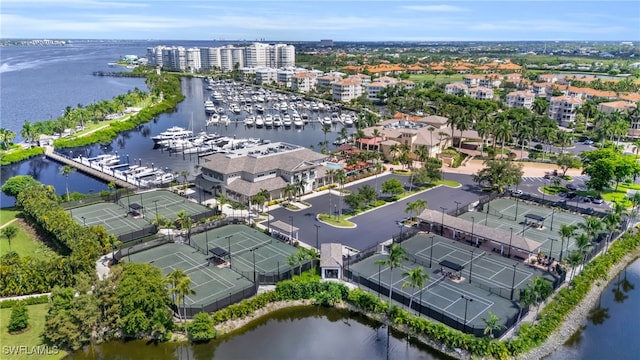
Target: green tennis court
[
  {"x": 163, "y": 203},
  {"x": 502, "y": 215},
  {"x": 114, "y": 218},
  {"x": 210, "y": 283},
  {"x": 242, "y": 243}
]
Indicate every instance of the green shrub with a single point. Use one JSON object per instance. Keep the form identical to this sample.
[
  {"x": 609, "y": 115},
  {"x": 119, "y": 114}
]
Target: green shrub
[
  {"x": 19, "y": 319},
  {"x": 35, "y": 300},
  {"x": 15, "y": 156},
  {"x": 201, "y": 328}
]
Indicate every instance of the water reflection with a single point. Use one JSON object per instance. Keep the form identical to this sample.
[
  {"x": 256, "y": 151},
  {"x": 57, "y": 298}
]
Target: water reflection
[{"x": 296, "y": 333}]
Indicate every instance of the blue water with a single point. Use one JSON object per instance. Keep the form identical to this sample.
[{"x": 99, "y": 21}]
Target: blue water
[
  {"x": 39, "y": 82},
  {"x": 611, "y": 331}
]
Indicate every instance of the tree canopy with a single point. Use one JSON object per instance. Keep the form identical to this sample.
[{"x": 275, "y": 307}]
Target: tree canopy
[
  {"x": 498, "y": 174},
  {"x": 16, "y": 184}
]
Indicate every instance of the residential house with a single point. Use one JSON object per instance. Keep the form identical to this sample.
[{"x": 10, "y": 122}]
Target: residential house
[
  {"x": 347, "y": 89},
  {"x": 456, "y": 88},
  {"x": 481, "y": 93},
  {"x": 304, "y": 82}
]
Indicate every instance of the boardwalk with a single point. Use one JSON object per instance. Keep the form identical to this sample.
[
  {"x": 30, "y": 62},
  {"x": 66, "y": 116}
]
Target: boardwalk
[{"x": 48, "y": 152}]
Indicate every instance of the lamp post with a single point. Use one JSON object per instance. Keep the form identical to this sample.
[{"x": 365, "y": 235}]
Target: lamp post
[
  {"x": 473, "y": 222},
  {"x": 379, "y": 270},
  {"x": 510, "y": 240},
  {"x": 553, "y": 212},
  {"x": 544, "y": 188},
  {"x": 400, "y": 225},
  {"x": 561, "y": 249},
  {"x": 156, "y": 203},
  {"x": 253, "y": 251},
  {"x": 466, "y": 304},
  {"x": 431, "y": 251},
  {"x": 84, "y": 220},
  {"x": 442, "y": 222},
  {"x": 457, "y": 205},
  {"x": 291, "y": 229},
  {"x": 317, "y": 242},
  {"x": 513, "y": 282},
  {"x": 228, "y": 237},
  {"x": 470, "y": 266},
  {"x": 515, "y": 217},
  {"x": 551, "y": 250}
]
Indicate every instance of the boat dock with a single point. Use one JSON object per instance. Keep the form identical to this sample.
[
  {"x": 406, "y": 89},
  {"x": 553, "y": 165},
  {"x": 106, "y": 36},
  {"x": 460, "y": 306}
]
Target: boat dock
[{"x": 49, "y": 153}]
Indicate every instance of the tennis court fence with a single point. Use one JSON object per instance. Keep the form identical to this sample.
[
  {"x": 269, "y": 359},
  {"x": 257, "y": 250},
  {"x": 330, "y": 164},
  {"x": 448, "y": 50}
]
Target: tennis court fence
[
  {"x": 454, "y": 322},
  {"x": 271, "y": 278},
  {"x": 137, "y": 234},
  {"x": 118, "y": 255},
  {"x": 231, "y": 299}
]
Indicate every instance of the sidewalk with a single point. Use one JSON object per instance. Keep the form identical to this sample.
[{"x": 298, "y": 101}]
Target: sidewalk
[{"x": 528, "y": 169}]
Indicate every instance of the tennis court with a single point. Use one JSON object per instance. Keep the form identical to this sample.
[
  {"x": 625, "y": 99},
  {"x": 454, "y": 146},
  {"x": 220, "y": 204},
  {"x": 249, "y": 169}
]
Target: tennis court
[
  {"x": 502, "y": 215},
  {"x": 163, "y": 203},
  {"x": 210, "y": 283},
  {"x": 441, "y": 295},
  {"x": 113, "y": 217},
  {"x": 241, "y": 243}
]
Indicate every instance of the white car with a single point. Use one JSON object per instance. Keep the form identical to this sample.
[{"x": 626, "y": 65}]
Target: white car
[
  {"x": 588, "y": 142},
  {"x": 516, "y": 192}
]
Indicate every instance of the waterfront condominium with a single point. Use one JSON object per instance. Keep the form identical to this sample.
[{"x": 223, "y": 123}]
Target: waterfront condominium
[{"x": 225, "y": 58}]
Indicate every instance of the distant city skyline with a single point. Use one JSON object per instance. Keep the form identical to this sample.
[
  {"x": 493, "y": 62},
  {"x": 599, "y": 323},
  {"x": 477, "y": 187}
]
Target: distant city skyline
[{"x": 312, "y": 20}]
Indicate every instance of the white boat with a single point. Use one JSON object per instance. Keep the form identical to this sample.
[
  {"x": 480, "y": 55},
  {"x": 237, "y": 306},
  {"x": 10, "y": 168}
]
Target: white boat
[
  {"x": 174, "y": 132},
  {"x": 163, "y": 178},
  {"x": 286, "y": 120},
  {"x": 209, "y": 107},
  {"x": 297, "y": 121},
  {"x": 335, "y": 118},
  {"x": 259, "y": 108},
  {"x": 348, "y": 121},
  {"x": 277, "y": 120},
  {"x": 259, "y": 121},
  {"x": 213, "y": 120},
  {"x": 106, "y": 160},
  {"x": 234, "y": 108},
  {"x": 224, "y": 119},
  {"x": 249, "y": 121},
  {"x": 268, "y": 121},
  {"x": 326, "y": 121}
]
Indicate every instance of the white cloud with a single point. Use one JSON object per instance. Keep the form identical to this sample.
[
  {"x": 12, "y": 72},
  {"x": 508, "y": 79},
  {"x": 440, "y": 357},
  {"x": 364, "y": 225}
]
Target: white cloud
[
  {"x": 76, "y": 4},
  {"x": 435, "y": 8}
]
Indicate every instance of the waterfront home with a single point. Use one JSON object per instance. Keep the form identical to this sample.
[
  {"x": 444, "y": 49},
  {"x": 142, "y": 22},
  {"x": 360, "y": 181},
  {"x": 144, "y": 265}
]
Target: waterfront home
[{"x": 520, "y": 99}]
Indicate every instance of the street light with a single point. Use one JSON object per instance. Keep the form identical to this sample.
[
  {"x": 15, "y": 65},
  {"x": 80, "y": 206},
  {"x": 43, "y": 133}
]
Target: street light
[
  {"x": 442, "y": 222},
  {"x": 228, "y": 237},
  {"x": 470, "y": 266},
  {"x": 400, "y": 225},
  {"x": 513, "y": 282},
  {"x": 291, "y": 230},
  {"x": 473, "y": 222},
  {"x": 553, "y": 212},
  {"x": 457, "y": 204},
  {"x": 431, "y": 253},
  {"x": 551, "y": 250},
  {"x": 317, "y": 242},
  {"x": 156, "y": 203},
  {"x": 466, "y": 304},
  {"x": 561, "y": 249},
  {"x": 84, "y": 220},
  {"x": 515, "y": 218},
  {"x": 510, "y": 240}
]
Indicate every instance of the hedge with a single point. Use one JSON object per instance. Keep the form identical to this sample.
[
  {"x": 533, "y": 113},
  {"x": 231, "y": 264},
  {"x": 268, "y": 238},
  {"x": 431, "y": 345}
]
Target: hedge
[
  {"x": 35, "y": 300},
  {"x": 19, "y": 155}
]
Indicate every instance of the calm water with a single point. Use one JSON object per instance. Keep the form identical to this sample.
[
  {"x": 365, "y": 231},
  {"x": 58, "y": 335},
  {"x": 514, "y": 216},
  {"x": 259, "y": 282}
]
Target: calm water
[
  {"x": 42, "y": 81},
  {"x": 297, "y": 333},
  {"x": 611, "y": 332}
]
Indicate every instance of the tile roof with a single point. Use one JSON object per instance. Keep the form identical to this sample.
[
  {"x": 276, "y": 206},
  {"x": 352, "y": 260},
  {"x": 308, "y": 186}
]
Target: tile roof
[{"x": 331, "y": 255}]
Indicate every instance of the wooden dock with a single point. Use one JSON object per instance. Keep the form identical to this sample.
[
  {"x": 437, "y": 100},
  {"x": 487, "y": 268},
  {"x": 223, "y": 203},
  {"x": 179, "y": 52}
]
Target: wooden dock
[{"x": 48, "y": 152}]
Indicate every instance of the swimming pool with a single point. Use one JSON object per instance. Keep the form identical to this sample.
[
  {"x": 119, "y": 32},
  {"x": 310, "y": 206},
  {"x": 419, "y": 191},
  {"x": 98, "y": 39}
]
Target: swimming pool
[{"x": 334, "y": 165}]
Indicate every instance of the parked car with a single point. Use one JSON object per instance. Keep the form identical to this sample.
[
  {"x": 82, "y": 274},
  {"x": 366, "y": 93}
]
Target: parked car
[
  {"x": 516, "y": 192},
  {"x": 571, "y": 194},
  {"x": 588, "y": 199},
  {"x": 597, "y": 201},
  {"x": 588, "y": 142},
  {"x": 571, "y": 187}
]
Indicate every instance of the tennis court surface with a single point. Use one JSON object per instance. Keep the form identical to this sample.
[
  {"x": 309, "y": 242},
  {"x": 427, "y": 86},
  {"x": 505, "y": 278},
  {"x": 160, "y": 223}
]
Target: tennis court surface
[
  {"x": 162, "y": 203},
  {"x": 502, "y": 215},
  {"x": 114, "y": 218},
  {"x": 211, "y": 283}
]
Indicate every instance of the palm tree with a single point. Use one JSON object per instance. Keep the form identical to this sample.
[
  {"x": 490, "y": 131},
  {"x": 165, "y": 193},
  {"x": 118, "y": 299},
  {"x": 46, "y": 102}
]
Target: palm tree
[
  {"x": 300, "y": 186},
  {"x": 492, "y": 324},
  {"x": 611, "y": 222},
  {"x": 10, "y": 232},
  {"x": 183, "y": 289},
  {"x": 341, "y": 177},
  {"x": 185, "y": 222},
  {"x": 66, "y": 170},
  {"x": 410, "y": 209},
  {"x": 222, "y": 200},
  {"x": 290, "y": 191},
  {"x": 173, "y": 278},
  {"x": 379, "y": 168},
  {"x": 263, "y": 195},
  {"x": 417, "y": 279},
  {"x": 420, "y": 205},
  {"x": 397, "y": 254},
  {"x": 566, "y": 232},
  {"x": 574, "y": 260},
  {"x": 542, "y": 288},
  {"x": 591, "y": 226}
]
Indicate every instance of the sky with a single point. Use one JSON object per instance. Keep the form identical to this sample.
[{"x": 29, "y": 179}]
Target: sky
[{"x": 312, "y": 20}]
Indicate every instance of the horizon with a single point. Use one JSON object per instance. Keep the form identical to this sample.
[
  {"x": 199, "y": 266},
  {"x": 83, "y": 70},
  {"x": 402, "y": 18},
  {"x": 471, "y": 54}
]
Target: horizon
[{"x": 313, "y": 20}]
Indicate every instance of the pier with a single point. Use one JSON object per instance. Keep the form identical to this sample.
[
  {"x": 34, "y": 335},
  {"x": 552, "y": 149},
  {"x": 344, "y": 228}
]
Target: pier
[{"x": 51, "y": 154}]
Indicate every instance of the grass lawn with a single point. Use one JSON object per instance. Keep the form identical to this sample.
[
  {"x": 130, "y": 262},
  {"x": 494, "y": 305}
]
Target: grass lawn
[
  {"x": 449, "y": 183},
  {"x": 335, "y": 221},
  {"x": 619, "y": 196},
  {"x": 552, "y": 190},
  {"x": 7, "y": 215},
  {"x": 28, "y": 338},
  {"x": 25, "y": 244},
  {"x": 439, "y": 78}
]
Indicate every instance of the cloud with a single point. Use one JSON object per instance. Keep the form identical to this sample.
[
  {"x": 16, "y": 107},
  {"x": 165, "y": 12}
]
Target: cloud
[
  {"x": 76, "y": 4},
  {"x": 436, "y": 8}
]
